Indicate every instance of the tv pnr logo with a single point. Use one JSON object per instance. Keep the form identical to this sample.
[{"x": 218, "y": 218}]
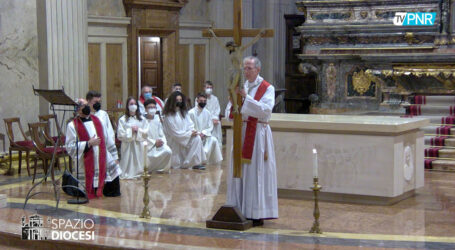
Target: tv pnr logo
[{"x": 414, "y": 18}]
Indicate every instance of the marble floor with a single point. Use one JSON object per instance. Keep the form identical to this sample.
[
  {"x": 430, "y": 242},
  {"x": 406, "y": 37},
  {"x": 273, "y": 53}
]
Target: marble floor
[{"x": 183, "y": 200}]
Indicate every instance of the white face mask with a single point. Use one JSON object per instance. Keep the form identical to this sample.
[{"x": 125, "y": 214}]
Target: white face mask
[
  {"x": 132, "y": 108},
  {"x": 208, "y": 91},
  {"x": 151, "y": 111}
]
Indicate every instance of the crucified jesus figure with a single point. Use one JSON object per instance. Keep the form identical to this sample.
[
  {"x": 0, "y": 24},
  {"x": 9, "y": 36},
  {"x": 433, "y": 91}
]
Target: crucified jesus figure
[{"x": 236, "y": 54}]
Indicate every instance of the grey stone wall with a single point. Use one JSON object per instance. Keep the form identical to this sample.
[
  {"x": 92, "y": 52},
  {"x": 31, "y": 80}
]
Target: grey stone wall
[{"x": 18, "y": 62}]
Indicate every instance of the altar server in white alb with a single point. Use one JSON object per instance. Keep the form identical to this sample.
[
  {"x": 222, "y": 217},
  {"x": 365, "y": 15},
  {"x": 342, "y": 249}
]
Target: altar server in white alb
[
  {"x": 255, "y": 194},
  {"x": 87, "y": 142},
  {"x": 158, "y": 152},
  {"x": 213, "y": 106},
  {"x": 132, "y": 132},
  {"x": 203, "y": 123},
  {"x": 94, "y": 100},
  {"x": 183, "y": 139}
]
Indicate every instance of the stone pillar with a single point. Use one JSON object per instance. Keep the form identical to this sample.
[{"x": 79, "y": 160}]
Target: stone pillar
[
  {"x": 62, "y": 43},
  {"x": 194, "y": 18}
]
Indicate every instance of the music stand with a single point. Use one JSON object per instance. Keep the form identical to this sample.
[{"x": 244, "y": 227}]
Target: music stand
[{"x": 55, "y": 98}]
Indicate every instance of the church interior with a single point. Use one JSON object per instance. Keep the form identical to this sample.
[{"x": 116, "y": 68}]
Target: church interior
[{"x": 362, "y": 119}]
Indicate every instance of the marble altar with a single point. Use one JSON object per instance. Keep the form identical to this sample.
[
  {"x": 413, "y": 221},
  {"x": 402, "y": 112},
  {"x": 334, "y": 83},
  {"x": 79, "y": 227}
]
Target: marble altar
[{"x": 362, "y": 159}]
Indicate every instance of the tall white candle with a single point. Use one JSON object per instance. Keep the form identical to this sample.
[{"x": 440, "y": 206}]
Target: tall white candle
[
  {"x": 315, "y": 163},
  {"x": 145, "y": 156}
]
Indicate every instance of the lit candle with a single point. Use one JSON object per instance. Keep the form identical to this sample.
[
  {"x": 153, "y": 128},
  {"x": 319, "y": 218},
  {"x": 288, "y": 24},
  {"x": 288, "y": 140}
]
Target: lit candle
[
  {"x": 315, "y": 163},
  {"x": 145, "y": 156}
]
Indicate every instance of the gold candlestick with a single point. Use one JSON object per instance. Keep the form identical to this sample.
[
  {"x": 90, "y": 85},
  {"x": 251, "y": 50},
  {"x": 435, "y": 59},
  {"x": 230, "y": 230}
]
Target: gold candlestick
[
  {"x": 146, "y": 177},
  {"x": 145, "y": 212},
  {"x": 315, "y": 228}
]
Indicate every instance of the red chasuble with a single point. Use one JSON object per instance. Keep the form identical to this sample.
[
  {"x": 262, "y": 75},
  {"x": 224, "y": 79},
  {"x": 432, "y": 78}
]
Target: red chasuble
[
  {"x": 250, "y": 132},
  {"x": 89, "y": 157}
]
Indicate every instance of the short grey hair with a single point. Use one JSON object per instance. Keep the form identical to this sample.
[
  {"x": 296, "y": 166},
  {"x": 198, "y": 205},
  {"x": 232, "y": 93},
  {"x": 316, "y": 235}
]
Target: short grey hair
[{"x": 257, "y": 62}]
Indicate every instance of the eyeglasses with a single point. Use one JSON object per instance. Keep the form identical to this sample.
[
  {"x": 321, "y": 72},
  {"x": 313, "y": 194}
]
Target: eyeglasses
[{"x": 248, "y": 68}]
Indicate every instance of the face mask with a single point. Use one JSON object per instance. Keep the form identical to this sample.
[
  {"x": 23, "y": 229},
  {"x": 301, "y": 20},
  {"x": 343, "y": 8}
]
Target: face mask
[
  {"x": 132, "y": 108},
  {"x": 202, "y": 104},
  {"x": 147, "y": 96},
  {"x": 180, "y": 104},
  {"x": 86, "y": 110},
  {"x": 151, "y": 111},
  {"x": 97, "y": 106},
  {"x": 208, "y": 91}
]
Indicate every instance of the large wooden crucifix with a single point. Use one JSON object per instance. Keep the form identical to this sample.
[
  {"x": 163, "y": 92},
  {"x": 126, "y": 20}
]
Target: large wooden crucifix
[{"x": 237, "y": 33}]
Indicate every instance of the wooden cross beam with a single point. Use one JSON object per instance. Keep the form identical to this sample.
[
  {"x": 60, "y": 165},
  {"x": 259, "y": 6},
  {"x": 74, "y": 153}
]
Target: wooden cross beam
[{"x": 237, "y": 33}]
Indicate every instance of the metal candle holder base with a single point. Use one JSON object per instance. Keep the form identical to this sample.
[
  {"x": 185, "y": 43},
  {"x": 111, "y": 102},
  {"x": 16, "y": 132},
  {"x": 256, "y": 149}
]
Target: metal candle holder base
[
  {"x": 146, "y": 211},
  {"x": 316, "y": 188}
]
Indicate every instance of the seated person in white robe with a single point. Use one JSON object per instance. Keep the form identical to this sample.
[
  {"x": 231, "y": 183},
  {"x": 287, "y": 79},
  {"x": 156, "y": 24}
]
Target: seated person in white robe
[
  {"x": 183, "y": 139},
  {"x": 158, "y": 152},
  {"x": 213, "y": 106},
  {"x": 147, "y": 94},
  {"x": 203, "y": 123},
  {"x": 132, "y": 132},
  {"x": 87, "y": 141}
]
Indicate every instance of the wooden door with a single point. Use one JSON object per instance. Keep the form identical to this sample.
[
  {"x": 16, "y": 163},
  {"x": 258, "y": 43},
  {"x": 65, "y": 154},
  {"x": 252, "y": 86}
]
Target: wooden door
[
  {"x": 94, "y": 66},
  {"x": 151, "y": 68},
  {"x": 199, "y": 68}
]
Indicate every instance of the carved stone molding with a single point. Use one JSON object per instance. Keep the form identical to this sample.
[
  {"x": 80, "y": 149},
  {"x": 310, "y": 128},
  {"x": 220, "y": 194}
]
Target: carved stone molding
[{"x": 154, "y": 4}]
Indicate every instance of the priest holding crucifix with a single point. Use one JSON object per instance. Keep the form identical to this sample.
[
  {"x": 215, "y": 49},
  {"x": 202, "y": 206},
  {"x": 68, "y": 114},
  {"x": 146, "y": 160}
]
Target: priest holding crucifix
[{"x": 255, "y": 193}]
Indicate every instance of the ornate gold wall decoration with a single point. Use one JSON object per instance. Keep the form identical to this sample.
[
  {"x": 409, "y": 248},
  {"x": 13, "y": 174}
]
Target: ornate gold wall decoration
[
  {"x": 361, "y": 82},
  {"x": 410, "y": 39},
  {"x": 364, "y": 14}
]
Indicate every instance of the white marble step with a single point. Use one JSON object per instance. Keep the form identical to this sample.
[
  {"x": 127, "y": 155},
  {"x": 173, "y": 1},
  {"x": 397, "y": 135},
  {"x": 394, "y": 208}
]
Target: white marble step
[
  {"x": 443, "y": 165},
  {"x": 450, "y": 142},
  {"x": 438, "y": 100},
  {"x": 447, "y": 153},
  {"x": 431, "y": 130},
  {"x": 434, "y": 119},
  {"x": 436, "y": 110},
  {"x": 3, "y": 200}
]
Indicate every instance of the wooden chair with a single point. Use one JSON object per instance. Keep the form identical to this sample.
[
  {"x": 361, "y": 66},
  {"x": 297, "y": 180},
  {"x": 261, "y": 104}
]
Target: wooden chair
[
  {"x": 48, "y": 118},
  {"x": 39, "y": 137},
  {"x": 21, "y": 146}
]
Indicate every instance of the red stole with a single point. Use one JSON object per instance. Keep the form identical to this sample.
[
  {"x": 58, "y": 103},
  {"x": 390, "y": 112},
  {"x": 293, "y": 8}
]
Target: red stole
[
  {"x": 89, "y": 161},
  {"x": 250, "y": 132},
  {"x": 157, "y": 101},
  {"x": 142, "y": 99}
]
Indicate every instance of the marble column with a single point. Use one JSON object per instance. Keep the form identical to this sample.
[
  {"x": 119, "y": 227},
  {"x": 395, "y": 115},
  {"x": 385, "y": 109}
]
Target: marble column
[
  {"x": 18, "y": 64},
  {"x": 62, "y": 42}
]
